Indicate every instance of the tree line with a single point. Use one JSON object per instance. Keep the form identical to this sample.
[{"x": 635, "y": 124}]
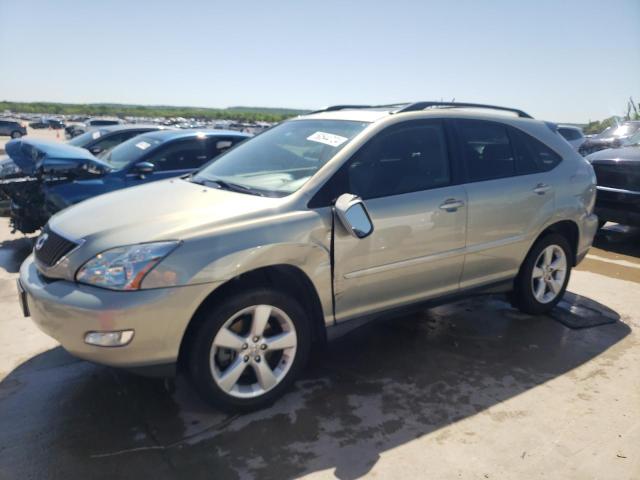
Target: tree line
[{"x": 241, "y": 114}]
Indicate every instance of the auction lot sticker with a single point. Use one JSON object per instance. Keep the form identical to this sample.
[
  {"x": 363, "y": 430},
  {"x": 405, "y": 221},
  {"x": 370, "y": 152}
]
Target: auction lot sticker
[{"x": 327, "y": 138}]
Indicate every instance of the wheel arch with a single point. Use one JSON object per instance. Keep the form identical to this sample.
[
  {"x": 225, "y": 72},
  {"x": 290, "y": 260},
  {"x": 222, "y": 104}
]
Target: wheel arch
[
  {"x": 287, "y": 278},
  {"x": 568, "y": 229}
]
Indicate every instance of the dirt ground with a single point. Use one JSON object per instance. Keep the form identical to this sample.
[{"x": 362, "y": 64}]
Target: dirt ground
[
  {"x": 41, "y": 133},
  {"x": 472, "y": 390}
]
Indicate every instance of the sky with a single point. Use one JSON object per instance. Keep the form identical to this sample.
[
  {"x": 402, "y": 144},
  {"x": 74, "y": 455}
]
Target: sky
[{"x": 563, "y": 61}]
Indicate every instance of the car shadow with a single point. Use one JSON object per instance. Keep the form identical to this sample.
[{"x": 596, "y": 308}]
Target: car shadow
[
  {"x": 375, "y": 389},
  {"x": 619, "y": 239},
  {"x": 13, "y": 252}
]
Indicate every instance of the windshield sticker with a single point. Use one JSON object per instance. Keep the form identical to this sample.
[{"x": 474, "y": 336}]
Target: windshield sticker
[
  {"x": 143, "y": 145},
  {"x": 95, "y": 135},
  {"x": 327, "y": 138}
]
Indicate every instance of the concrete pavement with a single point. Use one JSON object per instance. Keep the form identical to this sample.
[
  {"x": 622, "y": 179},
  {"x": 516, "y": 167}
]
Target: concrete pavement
[{"x": 473, "y": 390}]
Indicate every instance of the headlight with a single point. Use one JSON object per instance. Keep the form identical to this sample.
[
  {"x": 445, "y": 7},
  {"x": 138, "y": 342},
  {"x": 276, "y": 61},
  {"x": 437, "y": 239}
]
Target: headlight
[{"x": 124, "y": 268}]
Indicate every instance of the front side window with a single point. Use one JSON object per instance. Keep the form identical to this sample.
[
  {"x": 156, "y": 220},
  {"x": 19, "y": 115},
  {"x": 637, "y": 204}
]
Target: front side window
[
  {"x": 486, "y": 150},
  {"x": 405, "y": 159},
  {"x": 181, "y": 155},
  {"x": 281, "y": 160}
]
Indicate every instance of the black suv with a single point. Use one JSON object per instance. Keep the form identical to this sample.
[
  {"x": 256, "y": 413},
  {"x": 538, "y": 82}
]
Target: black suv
[{"x": 618, "y": 174}]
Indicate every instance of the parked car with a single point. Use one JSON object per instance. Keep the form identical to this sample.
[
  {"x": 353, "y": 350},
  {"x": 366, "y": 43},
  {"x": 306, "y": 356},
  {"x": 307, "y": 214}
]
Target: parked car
[
  {"x": 12, "y": 128},
  {"x": 572, "y": 134},
  {"x": 55, "y": 175},
  {"x": 79, "y": 128},
  {"x": 102, "y": 139},
  {"x": 52, "y": 123},
  {"x": 610, "y": 138},
  {"x": 618, "y": 175},
  {"x": 306, "y": 230}
]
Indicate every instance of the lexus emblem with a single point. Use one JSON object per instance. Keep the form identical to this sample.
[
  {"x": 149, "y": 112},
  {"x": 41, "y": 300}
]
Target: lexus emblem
[{"x": 41, "y": 239}]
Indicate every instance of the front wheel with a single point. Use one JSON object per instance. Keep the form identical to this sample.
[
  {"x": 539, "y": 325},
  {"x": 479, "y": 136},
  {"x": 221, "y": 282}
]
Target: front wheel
[
  {"x": 16, "y": 134},
  {"x": 249, "y": 349},
  {"x": 544, "y": 275}
]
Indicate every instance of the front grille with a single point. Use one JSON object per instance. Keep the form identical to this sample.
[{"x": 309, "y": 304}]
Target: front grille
[
  {"x": 618, "y": 175},
  {"x": 52, "y": 248}
]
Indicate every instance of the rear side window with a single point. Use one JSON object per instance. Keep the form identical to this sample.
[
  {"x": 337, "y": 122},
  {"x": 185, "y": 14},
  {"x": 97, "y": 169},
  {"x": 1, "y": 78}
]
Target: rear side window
[
  {"x": 218, "y": 145},
  {"x": 532, "y": 155},
  {"x": 487, "y": 150}
]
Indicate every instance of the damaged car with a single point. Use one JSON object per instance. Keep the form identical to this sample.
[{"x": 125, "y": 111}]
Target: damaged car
[{"x": 53, "y": 176}]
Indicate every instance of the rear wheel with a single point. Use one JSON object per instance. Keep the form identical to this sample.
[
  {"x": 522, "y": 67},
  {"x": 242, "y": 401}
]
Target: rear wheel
[
  {"x": 544, "y": 275},
  {"x": 249, "y": 349},
  {"x": 16, "y": 134}
]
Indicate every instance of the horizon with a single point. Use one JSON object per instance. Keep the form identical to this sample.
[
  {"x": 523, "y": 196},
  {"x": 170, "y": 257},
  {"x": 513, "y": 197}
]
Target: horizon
[{"x": 546, "y": 59}]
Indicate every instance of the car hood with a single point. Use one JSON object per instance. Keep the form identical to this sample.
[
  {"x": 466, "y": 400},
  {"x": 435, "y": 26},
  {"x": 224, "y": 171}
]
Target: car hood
[
  {"x": 174, "y": 209},
  {"x": 34, "y": 156},
  {"x": 623, "y": 153}
]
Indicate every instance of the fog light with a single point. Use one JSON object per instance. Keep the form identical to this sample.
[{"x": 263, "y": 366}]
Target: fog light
[{"x": 109, "y": 339}]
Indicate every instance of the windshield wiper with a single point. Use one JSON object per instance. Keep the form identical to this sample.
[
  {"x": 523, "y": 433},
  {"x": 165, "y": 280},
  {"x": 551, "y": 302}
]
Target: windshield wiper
[{"x": 233, "y": 187}]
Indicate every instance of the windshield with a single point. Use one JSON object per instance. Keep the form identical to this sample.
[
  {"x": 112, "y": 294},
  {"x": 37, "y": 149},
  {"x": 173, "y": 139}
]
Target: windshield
[
  {"x": 633, "y": 140},
  {"x": 86, "y": 138},
  {"x": 621, "y": 131},
  {"x": 130, "y": 151},
  {"x": 282, "y": 159}
]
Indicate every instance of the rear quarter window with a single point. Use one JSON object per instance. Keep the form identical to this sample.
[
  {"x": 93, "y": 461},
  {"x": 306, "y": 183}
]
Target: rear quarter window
[{"x": 532, "y": 155}]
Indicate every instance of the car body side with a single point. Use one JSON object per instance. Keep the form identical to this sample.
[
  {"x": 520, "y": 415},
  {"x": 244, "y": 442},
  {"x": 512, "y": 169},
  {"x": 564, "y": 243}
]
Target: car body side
[{"x": 284, "y": 234}]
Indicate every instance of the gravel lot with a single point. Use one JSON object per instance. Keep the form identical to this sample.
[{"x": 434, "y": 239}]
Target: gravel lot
[{"x": 473, "y": 390}]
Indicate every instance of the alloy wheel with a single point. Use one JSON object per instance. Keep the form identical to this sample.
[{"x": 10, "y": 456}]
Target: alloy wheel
[
  {"x": 253, "y": 351},
  {"x": 549, "y": 274}
]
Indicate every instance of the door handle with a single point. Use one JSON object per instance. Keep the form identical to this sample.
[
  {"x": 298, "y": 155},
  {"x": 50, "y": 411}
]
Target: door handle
[
  {"x": 451, "y": 204},
  {"x": 541, "y": 188}
]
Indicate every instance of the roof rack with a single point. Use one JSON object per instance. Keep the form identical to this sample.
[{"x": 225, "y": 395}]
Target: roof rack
[
  {"x": 417, "y": 106},
  {"x": 334, "y": 108}
]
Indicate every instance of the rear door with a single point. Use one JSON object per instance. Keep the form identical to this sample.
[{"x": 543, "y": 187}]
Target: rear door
[
  {"x": 416, "y": 250},
  {"x": 510, "y": 197}
]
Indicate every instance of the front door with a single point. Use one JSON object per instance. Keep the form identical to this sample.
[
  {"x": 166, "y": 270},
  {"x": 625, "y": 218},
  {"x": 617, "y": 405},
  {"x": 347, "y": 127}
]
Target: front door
[{"x": 416, "y": 250}]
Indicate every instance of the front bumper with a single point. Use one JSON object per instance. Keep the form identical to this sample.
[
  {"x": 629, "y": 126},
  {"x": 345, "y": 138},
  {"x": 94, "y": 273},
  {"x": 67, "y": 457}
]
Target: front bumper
[
  {"x": 618, "y": 205},
  {"x": 66, "y": 311}
]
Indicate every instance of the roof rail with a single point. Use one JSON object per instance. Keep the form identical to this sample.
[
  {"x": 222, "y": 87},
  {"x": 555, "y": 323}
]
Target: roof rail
[
  {"x": 333, "y": 108},
  {"x": 413, "y": 107}
]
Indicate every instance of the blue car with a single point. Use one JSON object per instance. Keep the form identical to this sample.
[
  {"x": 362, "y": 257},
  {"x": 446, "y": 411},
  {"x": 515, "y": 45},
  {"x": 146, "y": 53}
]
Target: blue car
[{"x": 55, "y": 175}]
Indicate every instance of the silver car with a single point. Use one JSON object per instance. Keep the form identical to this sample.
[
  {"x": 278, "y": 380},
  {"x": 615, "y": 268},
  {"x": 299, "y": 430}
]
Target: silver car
[{"x": 318, "y": 224}]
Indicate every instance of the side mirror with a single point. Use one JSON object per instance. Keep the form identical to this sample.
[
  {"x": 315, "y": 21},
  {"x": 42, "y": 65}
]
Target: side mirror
[
  {"x": 353, "y": 215},
  {"x": 95, "y": 150},
  {"x": 144, "y": 168}
]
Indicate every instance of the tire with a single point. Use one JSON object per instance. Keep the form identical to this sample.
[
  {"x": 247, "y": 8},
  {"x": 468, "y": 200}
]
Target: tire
[
  {"x": 236, "y": 377},
  {"x": 529, "y": 296},
  {"x": 16, "y": 134}
]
